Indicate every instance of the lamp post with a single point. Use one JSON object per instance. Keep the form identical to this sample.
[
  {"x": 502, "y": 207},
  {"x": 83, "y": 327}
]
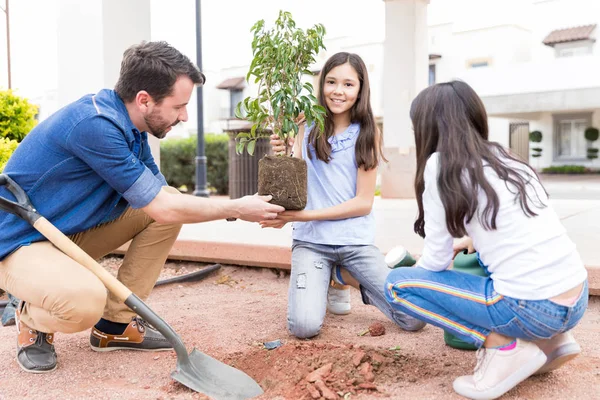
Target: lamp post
[
  {"x": 201, "y": 189},
  {"x": 5, "y": 9}
]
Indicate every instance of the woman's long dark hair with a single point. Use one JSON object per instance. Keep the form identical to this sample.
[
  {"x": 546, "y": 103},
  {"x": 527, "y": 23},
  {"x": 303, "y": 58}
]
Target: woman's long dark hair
[
  {"x": 449, "y": 118},
  {"x": 368, "y": 149}
]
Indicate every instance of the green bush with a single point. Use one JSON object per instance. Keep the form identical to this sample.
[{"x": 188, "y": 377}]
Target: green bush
[
  {"x": 17, "y": 116},
  {"x": 179, "y": 168},
  {"x": 535, "y": 136},
  {"x": 7, "y": 147},
  {"x": 566, "y": 169},
  {"x": 217, "y": 162},
  {"x": 592, "y": 134}
]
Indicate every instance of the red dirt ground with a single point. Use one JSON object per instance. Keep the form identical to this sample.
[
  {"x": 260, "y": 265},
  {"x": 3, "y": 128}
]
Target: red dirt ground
[{"x": 231, "y": 313}]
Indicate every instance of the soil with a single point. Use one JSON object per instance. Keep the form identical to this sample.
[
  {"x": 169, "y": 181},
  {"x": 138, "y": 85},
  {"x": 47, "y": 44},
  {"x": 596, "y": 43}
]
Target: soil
[
  {"x": 285, "y": 178},
  {"x": 233, "y": 312}
]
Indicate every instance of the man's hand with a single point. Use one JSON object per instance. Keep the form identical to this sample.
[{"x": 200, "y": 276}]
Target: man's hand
[
  {"x": 465, "y": 243},
  {"x": 256, "y": 208}
]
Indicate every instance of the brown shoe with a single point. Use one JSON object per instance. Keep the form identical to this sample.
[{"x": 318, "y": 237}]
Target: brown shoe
[
  {"x": 139, "y": 335},
  {"x": 35, "y": 350}
]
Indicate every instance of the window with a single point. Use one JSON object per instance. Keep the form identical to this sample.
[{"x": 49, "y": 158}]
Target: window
[
  {"x": 570, "y": 143},
  {"x": 573, "y": 51},
  {"x": 235, "y": 96},
  {"x": 431, "y": 74},
  {"x": 479, "y": 63}
]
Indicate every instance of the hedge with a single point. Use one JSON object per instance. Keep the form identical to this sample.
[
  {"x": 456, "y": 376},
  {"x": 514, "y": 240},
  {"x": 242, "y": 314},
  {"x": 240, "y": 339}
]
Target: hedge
[{"x": 178, "y": 162}]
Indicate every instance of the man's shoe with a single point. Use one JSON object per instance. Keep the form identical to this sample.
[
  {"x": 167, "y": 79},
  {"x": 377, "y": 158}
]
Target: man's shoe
[
  {"x": 35, "y": 351},
  {"x": 338, "y": 301},
  {"x": 498, "y": 371},
  {"x": 559, "y": 350},
  {"x": 139, "y": 335}
]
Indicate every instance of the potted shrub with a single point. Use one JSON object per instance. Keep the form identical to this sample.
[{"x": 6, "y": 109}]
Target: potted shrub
[
  {"x": 281, "y": 56},
  {"x": 591, "y": 135},
  {"x": 536, "y": 137}
]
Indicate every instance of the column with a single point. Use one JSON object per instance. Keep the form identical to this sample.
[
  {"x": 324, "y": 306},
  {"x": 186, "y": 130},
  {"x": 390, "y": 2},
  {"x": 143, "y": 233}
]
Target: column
[
  {"x": 92, "y": 36},
  {"x": 405, "y": 68}
]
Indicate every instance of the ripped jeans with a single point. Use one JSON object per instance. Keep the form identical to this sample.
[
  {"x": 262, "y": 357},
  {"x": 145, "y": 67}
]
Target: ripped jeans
[{"x": 311, "y": 275}]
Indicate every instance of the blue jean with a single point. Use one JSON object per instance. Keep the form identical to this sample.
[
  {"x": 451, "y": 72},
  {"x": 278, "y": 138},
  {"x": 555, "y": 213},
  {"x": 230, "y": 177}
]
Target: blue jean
[
  {"x": 8, "y": 315},
  {"x": 311, "y": 275},
  {"x": 468, "y": 306}
]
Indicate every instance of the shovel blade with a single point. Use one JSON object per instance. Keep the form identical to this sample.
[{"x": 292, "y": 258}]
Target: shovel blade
[{"x": 214, "y": 378}]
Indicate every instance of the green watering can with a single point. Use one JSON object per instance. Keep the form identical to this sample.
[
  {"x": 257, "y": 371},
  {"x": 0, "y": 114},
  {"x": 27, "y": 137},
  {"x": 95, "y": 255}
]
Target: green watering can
[
  {"x": 469, "y": 264},
  {"x": 463, "y": 262}
]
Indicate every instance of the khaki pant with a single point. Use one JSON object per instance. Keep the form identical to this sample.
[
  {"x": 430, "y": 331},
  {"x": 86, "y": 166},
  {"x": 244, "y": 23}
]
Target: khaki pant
[{"x": 63, "y": 296}]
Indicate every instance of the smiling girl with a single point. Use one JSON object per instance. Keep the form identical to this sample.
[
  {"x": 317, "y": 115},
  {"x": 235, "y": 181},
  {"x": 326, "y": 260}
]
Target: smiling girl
[{"x": 337, "y": 227}]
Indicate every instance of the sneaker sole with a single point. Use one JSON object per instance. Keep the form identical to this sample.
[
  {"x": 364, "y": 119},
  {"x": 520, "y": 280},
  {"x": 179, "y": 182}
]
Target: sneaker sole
[
  {"x": 105, "y": 349},
  {"x": 338, "y": 312},
  {"x": 559, "y": 357},
  {"x": 509, "y": 383}
]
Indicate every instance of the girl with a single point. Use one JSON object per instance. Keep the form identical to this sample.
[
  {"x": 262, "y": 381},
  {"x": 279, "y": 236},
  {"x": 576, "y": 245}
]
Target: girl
[
  {"x": 537, "y": 288},
  {"x": 337, "y": 227}
]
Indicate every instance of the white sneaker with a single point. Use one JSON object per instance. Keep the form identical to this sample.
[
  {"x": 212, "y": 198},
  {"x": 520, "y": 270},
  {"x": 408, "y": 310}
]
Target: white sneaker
[
  {"x": 559, "y": 350},
  {"x": 498, "y": 371},
  {"x": 338, "y": 301}
]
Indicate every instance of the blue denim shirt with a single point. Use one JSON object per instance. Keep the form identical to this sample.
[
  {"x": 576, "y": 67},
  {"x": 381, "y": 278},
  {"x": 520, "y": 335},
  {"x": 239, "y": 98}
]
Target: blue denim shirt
[{"x": 81, "y": 167}]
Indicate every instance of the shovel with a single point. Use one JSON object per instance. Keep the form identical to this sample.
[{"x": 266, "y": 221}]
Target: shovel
[{"x": 196, "y": 370}]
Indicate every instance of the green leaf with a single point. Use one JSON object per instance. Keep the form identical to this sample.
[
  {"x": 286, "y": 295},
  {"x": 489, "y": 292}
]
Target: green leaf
[
  {"x": 238, "y": 110},
  {"x": 251, "y": 146}
]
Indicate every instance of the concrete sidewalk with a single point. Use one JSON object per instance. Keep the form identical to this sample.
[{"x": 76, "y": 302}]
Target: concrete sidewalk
[{"x": 244, "y": 243}]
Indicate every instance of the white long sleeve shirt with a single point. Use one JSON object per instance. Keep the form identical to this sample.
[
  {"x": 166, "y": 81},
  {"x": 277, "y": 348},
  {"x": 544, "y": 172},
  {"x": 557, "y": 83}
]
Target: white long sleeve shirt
[{"x": 529, "y": 258}]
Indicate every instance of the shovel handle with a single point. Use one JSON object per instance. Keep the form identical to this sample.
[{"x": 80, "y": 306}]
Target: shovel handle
[{"x": 24, "y": 209}]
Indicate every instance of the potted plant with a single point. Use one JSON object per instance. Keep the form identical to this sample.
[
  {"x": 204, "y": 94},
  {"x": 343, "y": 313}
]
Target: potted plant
[
  {"x": 591, "y": 135},
  {"x": 281, "y": 56},
  {"x": 536, "y": 137}
]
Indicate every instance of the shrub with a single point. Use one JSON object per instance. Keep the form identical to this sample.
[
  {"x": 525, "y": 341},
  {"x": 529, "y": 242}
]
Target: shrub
[
  {"x": 179, "y": 167},
  {"x": 591, "y": 135},
  {"x": 535, "y": 137},
  {"x": 7, "y": 147},
  {"x": 566, "y": 169},
  {"x": 17, "y": 116},
  {"x": 217, "y": 163}
]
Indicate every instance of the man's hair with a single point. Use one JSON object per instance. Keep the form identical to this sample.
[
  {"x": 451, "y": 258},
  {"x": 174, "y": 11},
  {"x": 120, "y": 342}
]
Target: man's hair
[{"x": 154, "y": 67}]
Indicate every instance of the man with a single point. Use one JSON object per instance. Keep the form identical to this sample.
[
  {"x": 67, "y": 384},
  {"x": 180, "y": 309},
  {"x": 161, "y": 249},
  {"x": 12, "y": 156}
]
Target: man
[{"x": 89, "y": 171}]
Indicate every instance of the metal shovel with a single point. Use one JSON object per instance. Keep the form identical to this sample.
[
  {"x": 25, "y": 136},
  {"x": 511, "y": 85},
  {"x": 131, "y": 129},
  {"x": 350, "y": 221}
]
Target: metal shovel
[{"x": 197, "y": 371}]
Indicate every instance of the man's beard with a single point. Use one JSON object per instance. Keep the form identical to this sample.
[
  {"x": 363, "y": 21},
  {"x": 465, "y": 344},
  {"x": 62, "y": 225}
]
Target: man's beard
[{"x": 157, "y": 126}]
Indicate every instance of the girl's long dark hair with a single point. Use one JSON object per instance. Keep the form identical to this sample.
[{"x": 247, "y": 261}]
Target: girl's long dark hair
[
  {"x": 369, "y": 145},
  {"x": 449, "y": 118}
]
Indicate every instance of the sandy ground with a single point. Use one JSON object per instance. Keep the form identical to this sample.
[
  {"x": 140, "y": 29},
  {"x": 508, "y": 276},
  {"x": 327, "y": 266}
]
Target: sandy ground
[{"x": 231, "y": 313}]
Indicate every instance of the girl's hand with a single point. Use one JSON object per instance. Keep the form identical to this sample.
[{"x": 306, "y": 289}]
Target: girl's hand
[
  {"x": 300, "y": 119},
  {"x": 273, "y": 223},
  {"x": 465, "y": 243},
  {"x": 285, "y": 217},
  {"x": 278, "y": 144}
]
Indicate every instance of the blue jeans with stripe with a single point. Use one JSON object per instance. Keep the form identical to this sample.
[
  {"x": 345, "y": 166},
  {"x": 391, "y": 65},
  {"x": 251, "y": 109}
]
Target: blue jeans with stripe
[{"x": 468, "y": 306}]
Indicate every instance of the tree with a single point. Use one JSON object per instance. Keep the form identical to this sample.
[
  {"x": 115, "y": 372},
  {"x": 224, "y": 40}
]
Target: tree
[
  {"x": 17, "y": 116},
  {"x": 282, "y": 56}
]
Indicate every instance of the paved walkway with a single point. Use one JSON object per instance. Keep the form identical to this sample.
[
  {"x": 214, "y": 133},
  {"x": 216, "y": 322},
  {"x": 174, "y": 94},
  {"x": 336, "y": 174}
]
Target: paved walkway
[{"x": 576, "y": 201}]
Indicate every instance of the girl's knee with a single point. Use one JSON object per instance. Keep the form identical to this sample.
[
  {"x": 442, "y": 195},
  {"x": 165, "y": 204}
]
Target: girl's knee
[
  {"x": 411, "y": 324},
  {"x": 305, "y": 329}
]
